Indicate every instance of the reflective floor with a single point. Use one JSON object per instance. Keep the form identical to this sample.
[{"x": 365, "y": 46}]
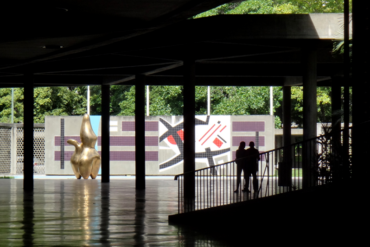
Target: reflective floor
[{"x": 65, "y": 212}]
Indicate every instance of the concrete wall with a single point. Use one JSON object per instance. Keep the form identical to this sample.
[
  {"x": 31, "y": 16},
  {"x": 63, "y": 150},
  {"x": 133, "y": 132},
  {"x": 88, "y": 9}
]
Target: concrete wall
[{"x": 217, "y": 138}]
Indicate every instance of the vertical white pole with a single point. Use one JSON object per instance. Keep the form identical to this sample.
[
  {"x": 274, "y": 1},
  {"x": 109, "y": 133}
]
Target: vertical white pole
[
  {"x": 209, "y": 101},
  {"x": 88, "y": 100},
  {"x": 147, "y": 100},
  {"x": 271, "y": 102},
  {"x": 12, "y": 120}
]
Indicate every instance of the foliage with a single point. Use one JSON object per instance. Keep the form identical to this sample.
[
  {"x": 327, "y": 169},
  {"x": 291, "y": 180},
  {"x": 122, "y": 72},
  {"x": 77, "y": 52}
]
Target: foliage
[
  {"x": 52, "y": 101},
  {"x": 323, "y": 104},
  {"x": 276, "y": 7},
  {"x": 168, "y": 100}
]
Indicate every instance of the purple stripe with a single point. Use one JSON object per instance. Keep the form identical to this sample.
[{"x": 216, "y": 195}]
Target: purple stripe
[
  {"x": 66, "y": 138},
  {"x": 130, "y": 155},
  {"x": 122, "y": 141},
  {"x": 114, "y": 155},
  {"x": 149, "y": 126},
  {"x": 128, "y": 126},
  {"x": 249, "y": 126},
  {"x": 67, "y": 155},
  {"x": 261, "y": 157},
  {"x": 247, "y": 139}
]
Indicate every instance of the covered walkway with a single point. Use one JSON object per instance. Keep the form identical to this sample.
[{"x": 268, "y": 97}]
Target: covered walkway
[{"x": 64, "y": 212}]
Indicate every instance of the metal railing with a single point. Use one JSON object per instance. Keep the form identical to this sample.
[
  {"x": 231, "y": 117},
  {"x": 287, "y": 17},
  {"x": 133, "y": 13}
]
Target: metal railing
[{"x": 308, "y": 163}]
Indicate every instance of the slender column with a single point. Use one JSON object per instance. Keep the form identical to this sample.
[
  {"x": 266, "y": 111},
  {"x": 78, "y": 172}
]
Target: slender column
[
  {"x": 346, "y": 91},
  {"x": 140, "y": 131},
  {"x": 28, "y": 133},
  {"x": 361, "y": 95},
  {"x": 285, "y": 169},
  {"x": 309, "y": 114},
  {"x": 189, "y": 130},
  {"x": 105, "y": 138},
  {"x": 336, "y": 126}
]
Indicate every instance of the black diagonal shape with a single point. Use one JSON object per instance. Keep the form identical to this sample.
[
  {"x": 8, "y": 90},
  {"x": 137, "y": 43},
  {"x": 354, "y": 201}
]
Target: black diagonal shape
[
  {"x": 172, "y": 161},
  {"x": 172, "y": 131},
  {"x": 211, "y": 153},
  {"x": 200, "y": 122}
]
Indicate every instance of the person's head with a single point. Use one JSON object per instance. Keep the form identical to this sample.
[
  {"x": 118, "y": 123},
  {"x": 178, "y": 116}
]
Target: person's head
[
  {"x": 251, "y": 144},
  {"x": 242, "y": 145}
]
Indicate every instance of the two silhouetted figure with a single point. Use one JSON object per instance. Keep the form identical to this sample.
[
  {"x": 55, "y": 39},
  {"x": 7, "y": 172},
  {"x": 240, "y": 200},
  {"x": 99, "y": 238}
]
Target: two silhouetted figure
[{"x": 247, "y": 160}]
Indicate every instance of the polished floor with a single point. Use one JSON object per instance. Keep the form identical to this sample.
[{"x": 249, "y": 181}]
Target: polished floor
[{"x": 69, "y": 212}]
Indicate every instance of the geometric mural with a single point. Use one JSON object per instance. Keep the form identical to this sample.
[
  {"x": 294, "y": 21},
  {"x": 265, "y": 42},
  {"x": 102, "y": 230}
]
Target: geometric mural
[{"x": 212, "y": 136}]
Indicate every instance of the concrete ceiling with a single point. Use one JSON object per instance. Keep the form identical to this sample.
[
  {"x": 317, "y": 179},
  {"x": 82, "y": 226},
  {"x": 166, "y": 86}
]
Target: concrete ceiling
[{"x": 109, "y": 42}]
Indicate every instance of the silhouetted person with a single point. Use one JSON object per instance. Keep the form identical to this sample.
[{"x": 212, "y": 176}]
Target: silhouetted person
[
  {"x": 252, "y": 159},
  {"x": 240, "y": 164}
]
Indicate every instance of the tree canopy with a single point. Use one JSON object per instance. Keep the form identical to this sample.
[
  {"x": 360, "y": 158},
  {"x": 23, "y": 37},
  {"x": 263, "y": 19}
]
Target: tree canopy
[
  {"x": 276, "y": 7},
  {"x": 168, "y": 100}
]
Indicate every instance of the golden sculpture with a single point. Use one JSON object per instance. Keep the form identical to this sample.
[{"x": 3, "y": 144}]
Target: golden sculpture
[{"x": 85, "y": 160}]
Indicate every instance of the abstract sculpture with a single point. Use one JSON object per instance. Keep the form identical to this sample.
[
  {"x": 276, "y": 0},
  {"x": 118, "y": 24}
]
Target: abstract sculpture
[{"x": 85, "y": 160}]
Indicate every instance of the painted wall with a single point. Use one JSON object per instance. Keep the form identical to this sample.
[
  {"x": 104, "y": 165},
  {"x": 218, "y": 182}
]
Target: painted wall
[{"x": 217, "y": 138}]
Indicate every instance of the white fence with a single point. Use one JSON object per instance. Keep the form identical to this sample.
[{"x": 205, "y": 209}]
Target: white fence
[{"x": 11, "y": 149}]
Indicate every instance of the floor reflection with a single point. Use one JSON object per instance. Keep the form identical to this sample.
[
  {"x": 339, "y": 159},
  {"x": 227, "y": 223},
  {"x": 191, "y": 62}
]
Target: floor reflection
[
  {"x": 28, "y": 219},
  {"x": 91, "y": 213},
  {"x": 104, "y": 214}
]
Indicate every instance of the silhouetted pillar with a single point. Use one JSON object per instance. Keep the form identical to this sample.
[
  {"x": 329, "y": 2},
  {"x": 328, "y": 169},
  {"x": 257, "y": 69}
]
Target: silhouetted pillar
[
  {"x": 189, "y": 131},
  {"x": 285, "y": 169},
  {"x": 28, "y": 133},
  {"x": 309, "y": 64},
  {"x": 140, "y": 131},
  {"x": 105, "y": 138},
  {"x": 336, "y": 125},
  {"x": 361, "y": 95},
  {"x": 347, "y": 70}
]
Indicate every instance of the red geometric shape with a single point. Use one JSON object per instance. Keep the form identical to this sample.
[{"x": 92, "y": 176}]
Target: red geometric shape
[
  {"x": 171, "y": 140},
  {"x": 181, "y": 134},
  {"x": 218, "y": 143}
]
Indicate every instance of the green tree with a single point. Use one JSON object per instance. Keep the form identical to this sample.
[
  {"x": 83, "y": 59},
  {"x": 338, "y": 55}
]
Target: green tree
[
  {"x": 48, "y": 101},
  {"x": 276, "y": 7},
  {"x": 6, "y": 103}
]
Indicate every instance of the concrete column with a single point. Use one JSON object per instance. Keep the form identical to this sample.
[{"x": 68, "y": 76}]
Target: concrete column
[
  {"x": 347, "y": 71},
  {"x": 105, "y": 138},
  {"x": 361, "y": 96},
  {"x": 189, "y": 131},
  {"x": 140, "y": 131},
  {"x": 309, "y": 64},
  {"x": 336, "y": 125},
  {"x": 28, "y": 133},
  {"x": 285, "y": 168},
  {"x": 13, "y": 157}
]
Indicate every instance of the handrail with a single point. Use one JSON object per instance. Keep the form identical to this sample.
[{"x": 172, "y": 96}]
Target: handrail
[
  {"x": 309, "y": 163},
  {"x": 272, "y": 150}
]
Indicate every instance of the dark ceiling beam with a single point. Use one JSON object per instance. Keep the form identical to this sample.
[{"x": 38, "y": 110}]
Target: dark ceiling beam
[
  {"x": 89, "y": 67},
  {"x": 83, "y": 47},
  {"x": 158, "y": 80},
  {"x": 158, "y": 70},
  {"x": 248, "y": 55},
  {"x": 258, "y": 69},
  {"x": 235, "y": 80}
]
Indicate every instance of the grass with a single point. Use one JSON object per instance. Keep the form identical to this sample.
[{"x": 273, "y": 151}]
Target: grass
[{"x": 6, "y": 177}]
